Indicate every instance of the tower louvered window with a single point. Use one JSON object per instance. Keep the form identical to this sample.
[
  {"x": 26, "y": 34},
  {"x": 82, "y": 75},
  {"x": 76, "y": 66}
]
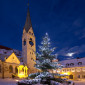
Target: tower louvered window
[{"x": 24, "y": 42}]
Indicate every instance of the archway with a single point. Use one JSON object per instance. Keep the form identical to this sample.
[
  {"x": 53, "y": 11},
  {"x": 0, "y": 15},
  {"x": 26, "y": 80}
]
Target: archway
[{"x": 70, "y": 76}]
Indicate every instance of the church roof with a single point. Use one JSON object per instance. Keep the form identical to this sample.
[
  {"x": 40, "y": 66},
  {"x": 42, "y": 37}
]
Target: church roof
[
  {"x": 28, "y": 23},
  {"x": 4, "y": 47},
  {"x": 3, "y": 57}
]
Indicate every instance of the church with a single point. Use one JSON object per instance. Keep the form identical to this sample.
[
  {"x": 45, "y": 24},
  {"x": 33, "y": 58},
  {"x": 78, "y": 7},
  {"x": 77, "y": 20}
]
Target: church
[{"x": 17, "y": 63}]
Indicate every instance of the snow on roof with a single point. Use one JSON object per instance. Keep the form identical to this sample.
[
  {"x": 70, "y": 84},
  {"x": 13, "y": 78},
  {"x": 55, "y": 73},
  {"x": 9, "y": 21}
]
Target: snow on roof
[{"x": 74, "y": 61}]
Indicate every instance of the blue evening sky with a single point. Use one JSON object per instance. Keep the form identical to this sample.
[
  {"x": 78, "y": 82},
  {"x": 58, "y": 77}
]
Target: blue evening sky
[{"x": 64, "y": 20}]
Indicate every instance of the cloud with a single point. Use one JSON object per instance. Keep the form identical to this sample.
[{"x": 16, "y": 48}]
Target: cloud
[
  {"x": 70, "y": 54},
  {"x": 71, "y": 51}
]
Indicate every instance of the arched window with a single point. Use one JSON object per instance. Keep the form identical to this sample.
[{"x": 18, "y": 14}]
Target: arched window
[
  {"x": 70, "y": 76},
  {"x": 24, "y": 42},
  {"x": 16, "y": 69},
  {"x": 67, "y": 65},
  {"x": 32, "y": 33},
  {"x": 0, "y": 68},
  {"x": 78, "y": 76},
  {"x": 31, "y": 42},
  {"x": 29, "y": 32},
  {"x": 10, "y": 69},
  {"x": 71, "y": 64},
  {"x": 79, "y": 63}
]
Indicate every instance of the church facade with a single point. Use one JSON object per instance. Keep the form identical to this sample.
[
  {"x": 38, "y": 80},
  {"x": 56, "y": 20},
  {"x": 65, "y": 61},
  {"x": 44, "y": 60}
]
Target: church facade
[{"x": 11, "y": 59}]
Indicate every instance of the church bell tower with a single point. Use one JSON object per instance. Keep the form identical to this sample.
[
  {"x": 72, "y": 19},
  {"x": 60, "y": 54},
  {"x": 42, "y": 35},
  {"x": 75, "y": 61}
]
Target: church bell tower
[{"x": 28, "y": 44}]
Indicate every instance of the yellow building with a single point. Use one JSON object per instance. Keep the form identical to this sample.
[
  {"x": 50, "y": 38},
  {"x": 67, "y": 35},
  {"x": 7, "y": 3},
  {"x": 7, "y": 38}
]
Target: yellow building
[
  {"x": 8, "y": 65},
  {"x": 74, "y": 68}
]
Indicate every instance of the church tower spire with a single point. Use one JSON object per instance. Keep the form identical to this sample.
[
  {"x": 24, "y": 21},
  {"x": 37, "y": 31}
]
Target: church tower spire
[
  {"x": 28, "y": 23},
  {"x": 28, "y": 44}
]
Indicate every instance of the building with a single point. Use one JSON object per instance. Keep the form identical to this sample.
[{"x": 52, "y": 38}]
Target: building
[
  {"x": 28, "y": 44},
  {"x": 11, "y": 59},
  {"x": 74, "y": 68}
]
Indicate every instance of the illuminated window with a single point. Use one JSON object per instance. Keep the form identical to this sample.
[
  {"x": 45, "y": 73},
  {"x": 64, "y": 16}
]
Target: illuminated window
[
  {"x": 0, "y": 68},
  {"x": 79, "y": 63},
  {"x": 64, "y": 70},
  {"x": 83, "y": 69},
  {"x": 10, "y": 69},
  {"x": 67, "y": 69},
  {"x": 72, "y": 70},
  {"x": 78, "y": 69}
]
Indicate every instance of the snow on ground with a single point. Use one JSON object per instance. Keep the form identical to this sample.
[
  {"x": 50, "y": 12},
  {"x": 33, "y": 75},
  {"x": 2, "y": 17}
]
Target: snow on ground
[
  {"x": 82, "y": 82},
  {"x": 8, "y": 81},
  {"x": 14, "y": 81}
]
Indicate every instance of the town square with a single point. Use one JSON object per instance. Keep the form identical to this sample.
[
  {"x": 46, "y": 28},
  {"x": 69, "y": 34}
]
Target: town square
[{"x": 42, "y": 42}]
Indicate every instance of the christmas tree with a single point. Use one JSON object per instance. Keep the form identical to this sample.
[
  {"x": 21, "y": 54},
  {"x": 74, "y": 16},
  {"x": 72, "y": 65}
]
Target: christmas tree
[{"x": 44, "y": 59}]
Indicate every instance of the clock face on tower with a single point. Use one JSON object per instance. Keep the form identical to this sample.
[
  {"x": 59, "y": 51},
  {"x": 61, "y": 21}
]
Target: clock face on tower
[{"x": 31, "y": 42}]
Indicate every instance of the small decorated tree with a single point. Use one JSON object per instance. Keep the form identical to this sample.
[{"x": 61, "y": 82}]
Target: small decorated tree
[{"x": 44, "y": 60}]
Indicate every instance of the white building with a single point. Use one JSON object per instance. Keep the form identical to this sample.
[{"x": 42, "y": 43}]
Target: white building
[{"x": 75, "y": 68}]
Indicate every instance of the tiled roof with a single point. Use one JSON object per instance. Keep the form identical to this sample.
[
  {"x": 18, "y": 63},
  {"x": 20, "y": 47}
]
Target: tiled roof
[{"x": 3, "y": 57}]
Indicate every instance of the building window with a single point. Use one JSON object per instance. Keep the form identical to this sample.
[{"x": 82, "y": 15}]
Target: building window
[
  {"x": 0, "y": 68},
  {"x": 78, "y": 69},
  {"x": 83, "y": 69},
  {"x": 83, "y": 76},
  {"x": 5, "y": 52},
  {"x": 32, "y": 33},
  {"x": 67, "y": 65},
  {"x": 79, "y": 63},
  {"x": 78, "y": 76},
  {"x": 67, "y": 70},
  {"x": 29, "y": 32},
  {"x": 70, "y": 76},
  {"x": 64, "y": 70},
  {"x": 30, "y": 39},
  {"x": 72, "y": 70},
  {"x": 24, "y": 42},
  {"x": 10, "y": 69},
  {"x": 71, "y": 64},
  {"x": 16, "y": 69}
]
